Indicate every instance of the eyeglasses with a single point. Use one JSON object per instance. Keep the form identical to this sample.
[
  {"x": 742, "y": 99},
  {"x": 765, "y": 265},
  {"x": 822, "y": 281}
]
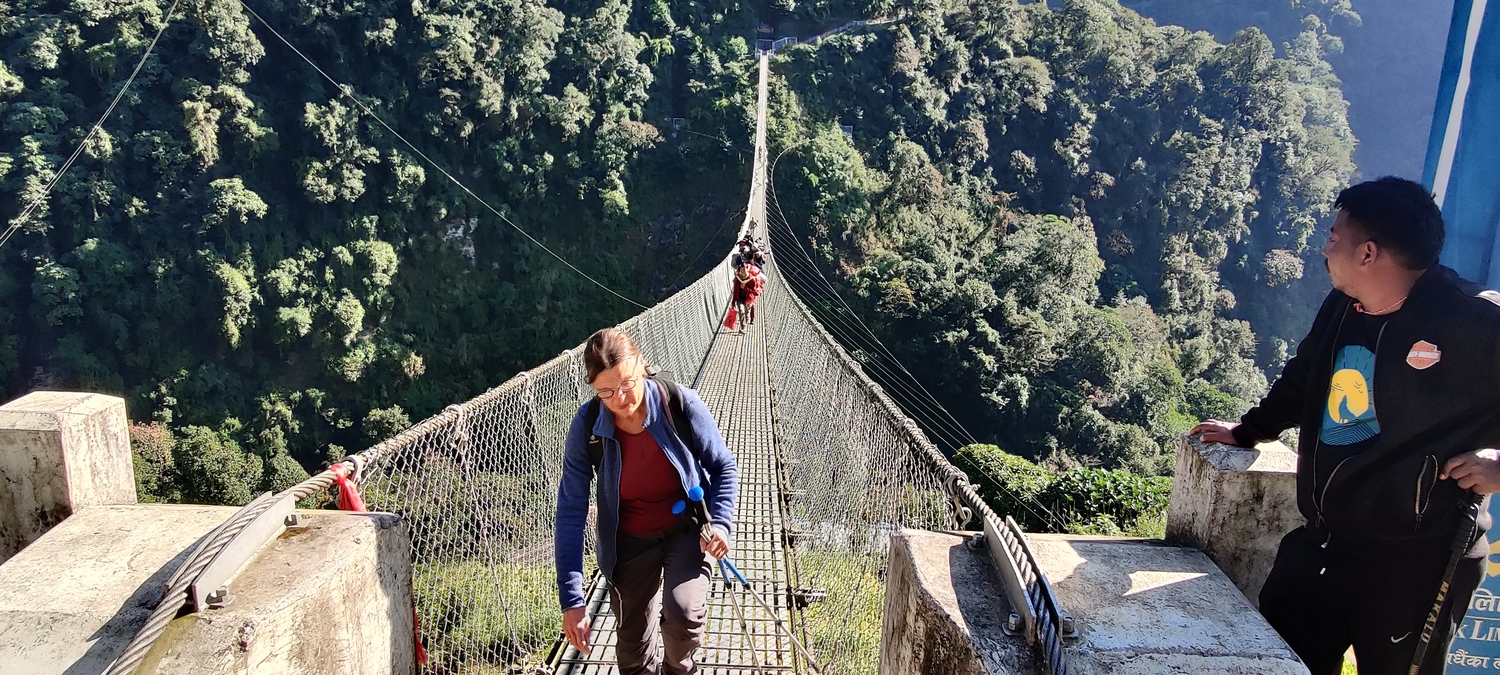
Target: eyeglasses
[{"x": 625, "y": 385}]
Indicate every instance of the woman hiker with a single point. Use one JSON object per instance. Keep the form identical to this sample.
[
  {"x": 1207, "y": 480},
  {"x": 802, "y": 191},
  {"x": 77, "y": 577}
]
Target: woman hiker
[{"x": 650, "y": 441}]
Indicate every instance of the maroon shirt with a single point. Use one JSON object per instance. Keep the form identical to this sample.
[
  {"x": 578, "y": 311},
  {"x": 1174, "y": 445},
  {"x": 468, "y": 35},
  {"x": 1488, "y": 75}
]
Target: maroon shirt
[{"x": 649, "y": 485}]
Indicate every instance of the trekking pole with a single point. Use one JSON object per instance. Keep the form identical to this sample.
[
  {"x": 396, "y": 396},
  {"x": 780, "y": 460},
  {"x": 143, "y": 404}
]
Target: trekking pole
[
  {"x": 739, "y": 613},
  {"x": 1461, "y": 541},
  {"x": 701, "y": 511}
]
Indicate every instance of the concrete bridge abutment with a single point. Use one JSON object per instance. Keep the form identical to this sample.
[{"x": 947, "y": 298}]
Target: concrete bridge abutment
[
  {"x": 84, "y": 565},
  {"x": 1235, "y": 505}
]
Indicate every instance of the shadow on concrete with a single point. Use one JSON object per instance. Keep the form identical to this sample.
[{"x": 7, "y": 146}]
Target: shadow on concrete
[
  {"x": 110, "y": 640},
  {"x": 983, "y": 609},
  {"x": 400, "y": 603}
]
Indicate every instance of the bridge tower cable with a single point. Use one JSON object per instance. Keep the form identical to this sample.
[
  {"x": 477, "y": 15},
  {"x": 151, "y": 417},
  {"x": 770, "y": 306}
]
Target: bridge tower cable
[
  {"x": 166, "y": 20},
  {"x": 833, "y": 292},
  {"x": 904, "y": 396},
  {"x": 917, "y": 406},
  {"x": 346, "y": 91},
  {"x": 918, "y": 400},
  {"x": 920, "y": 405}
]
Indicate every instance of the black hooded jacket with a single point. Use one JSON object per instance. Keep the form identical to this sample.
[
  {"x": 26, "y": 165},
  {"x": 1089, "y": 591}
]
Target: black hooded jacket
[{"x": 1437, "y": 369}]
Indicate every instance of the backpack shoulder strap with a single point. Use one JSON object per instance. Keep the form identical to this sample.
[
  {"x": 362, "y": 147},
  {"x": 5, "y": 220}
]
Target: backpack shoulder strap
[
  {"x": 676, "y": 405},
  {"x": 595, "y": 444}
]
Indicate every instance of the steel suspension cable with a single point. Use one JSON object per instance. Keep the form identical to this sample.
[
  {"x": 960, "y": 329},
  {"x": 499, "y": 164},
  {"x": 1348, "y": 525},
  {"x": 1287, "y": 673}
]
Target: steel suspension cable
[
  {"x": 920, "y": 400},
  {"x": 346, "y": 91},
  {"x": 16, "y": 224},
  {"x": 1030, "y": 504},
  {"x": 771, "y": 188}
]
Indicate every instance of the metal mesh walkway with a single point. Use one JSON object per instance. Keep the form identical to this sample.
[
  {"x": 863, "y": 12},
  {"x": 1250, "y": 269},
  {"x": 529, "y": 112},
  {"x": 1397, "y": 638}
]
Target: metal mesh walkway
[{"x": 735, "y": 386}]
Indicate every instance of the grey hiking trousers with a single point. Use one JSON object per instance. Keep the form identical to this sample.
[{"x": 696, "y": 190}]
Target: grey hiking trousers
[{"x": 671, "y": 562}]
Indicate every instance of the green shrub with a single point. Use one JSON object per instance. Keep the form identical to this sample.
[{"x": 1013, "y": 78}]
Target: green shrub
[
  {"x": 1081, "y": 495},
  {"x": 473, "y": 614},
  {"x": 1011, "y": 485},
  {"x": 151, "y": 447}
]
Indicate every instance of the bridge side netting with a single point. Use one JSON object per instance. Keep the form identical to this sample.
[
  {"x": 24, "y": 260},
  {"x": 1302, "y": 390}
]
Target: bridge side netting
[
  {"x": 855, "y": 471},
  {"x": 477, "y": 485}
]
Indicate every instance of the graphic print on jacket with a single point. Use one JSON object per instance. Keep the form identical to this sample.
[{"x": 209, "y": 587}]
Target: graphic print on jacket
[{"x": 1349, "y": 417}]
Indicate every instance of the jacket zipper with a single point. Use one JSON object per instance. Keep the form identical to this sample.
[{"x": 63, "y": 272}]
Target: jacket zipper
[
  {"x": 1333, "y": 353},
  {"x": 1323, "y": 495},
  {"x": 1420, "y": 508}
]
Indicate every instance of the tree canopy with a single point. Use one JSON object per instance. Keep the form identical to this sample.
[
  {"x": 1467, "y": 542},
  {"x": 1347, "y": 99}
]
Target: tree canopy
[
  {"x": 1089, "y": 228},
  {"x": 1093, "y": 228}
]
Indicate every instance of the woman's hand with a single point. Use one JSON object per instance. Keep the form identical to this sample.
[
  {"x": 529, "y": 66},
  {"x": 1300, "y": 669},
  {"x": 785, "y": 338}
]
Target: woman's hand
[
  {"x": 718, "y": 546},
  {"x": 576, "y": 628}
]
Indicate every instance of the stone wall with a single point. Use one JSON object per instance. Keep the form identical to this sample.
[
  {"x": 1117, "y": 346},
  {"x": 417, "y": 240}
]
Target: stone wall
[{"x": 1235, "y": 504}]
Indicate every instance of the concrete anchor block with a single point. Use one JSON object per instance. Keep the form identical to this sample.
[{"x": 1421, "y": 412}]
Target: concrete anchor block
[
  {"x": 945, "y": 611},
  {"x": 331, "y": 597},
  {"x": 1145, "y": 607},
  {"x": 1234, "y": 504},
  {"x": 60, "y": 452}
]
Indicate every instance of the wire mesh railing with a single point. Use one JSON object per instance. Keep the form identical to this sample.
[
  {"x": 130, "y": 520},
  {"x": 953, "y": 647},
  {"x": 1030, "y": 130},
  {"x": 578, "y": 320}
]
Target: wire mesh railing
[
  {"x": 852, "y": 478},
  {"x": 477, "y": 485},
  {"x": 860, "y": 469}
]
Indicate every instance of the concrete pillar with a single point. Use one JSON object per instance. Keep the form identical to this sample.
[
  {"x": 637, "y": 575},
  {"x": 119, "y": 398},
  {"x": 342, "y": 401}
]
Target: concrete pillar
[
  {"x": 1234, "y": 504},
  {"x": 59, "y": 452},
  {"x": 944, "y": 610},
  {"x": 334, "y": 597}
]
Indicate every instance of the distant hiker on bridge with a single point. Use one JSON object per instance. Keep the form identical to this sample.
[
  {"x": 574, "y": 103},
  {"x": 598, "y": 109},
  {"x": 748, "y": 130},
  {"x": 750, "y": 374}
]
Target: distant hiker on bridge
[
  {"x": 1395, "y": 390},
  {"x": 749, "y": 251},
  {"x": 748, "y": 284},
  {"x": 649, "y": 441}
]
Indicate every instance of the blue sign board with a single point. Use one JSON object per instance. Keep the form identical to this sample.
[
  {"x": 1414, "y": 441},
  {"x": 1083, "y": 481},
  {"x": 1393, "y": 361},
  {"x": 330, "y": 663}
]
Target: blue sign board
[
  {"x": 1476, "y": 645},
  {"x": 1463, "y": 170}
]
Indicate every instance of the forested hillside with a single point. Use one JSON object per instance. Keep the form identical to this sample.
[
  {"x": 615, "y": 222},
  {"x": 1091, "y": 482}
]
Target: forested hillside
[
  {"x": 1387, "y": 53},
  {"x": 1090, "y": 229},
  {"x": 275, "y": 278}
]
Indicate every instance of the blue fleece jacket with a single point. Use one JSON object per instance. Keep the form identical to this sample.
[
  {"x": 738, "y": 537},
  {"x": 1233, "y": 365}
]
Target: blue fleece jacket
[{"x": 717, "y": 474}]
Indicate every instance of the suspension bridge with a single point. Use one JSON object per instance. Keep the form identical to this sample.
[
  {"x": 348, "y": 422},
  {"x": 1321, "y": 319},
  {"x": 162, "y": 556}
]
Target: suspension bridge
[{"x": 829, "y": 466}]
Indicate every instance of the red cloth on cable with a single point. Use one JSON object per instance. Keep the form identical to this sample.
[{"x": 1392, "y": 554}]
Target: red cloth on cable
[{"x": 649, "y": 485}]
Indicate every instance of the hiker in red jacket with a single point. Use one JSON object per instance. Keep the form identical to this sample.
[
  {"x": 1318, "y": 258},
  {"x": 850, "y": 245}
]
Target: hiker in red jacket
[{"x": 748, "y": 283}]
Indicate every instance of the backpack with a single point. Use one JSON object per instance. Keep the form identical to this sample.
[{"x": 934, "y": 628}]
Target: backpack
[{"x": 671, "y": 398}]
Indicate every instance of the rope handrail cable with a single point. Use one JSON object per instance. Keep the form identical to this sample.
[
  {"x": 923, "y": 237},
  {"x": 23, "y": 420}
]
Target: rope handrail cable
[
  {"x": 771, "y": 187},
  {"x": 1030, "y": 504},
  {"x": 854, "y": 337},
  {"x": 1050, "y": 517},
  {"x": 917, "y": 399},
  {"x": 1036, "y": 586}
]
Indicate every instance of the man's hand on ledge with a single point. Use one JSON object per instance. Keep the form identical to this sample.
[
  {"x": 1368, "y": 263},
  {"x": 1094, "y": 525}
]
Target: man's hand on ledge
[
  {"x": 1478, "y": 471},
  {"x": 1215, "y": 431}
]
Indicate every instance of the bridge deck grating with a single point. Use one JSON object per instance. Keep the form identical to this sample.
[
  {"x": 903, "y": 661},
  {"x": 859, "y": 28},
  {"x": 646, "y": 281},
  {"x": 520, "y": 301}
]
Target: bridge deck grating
[{"x": 734, "y": 385}]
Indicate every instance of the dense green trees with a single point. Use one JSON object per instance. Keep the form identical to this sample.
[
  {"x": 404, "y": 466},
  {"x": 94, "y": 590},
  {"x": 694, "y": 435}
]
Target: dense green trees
[
  {"x": 274, "y": 277},
  {"x": 1094, "y": 229},
  {"x": 1091, "y": 229}
]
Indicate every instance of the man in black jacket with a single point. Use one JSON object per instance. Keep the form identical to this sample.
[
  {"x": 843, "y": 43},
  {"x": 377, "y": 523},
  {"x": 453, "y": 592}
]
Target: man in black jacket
[{"x": 1396, "y": 389}]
